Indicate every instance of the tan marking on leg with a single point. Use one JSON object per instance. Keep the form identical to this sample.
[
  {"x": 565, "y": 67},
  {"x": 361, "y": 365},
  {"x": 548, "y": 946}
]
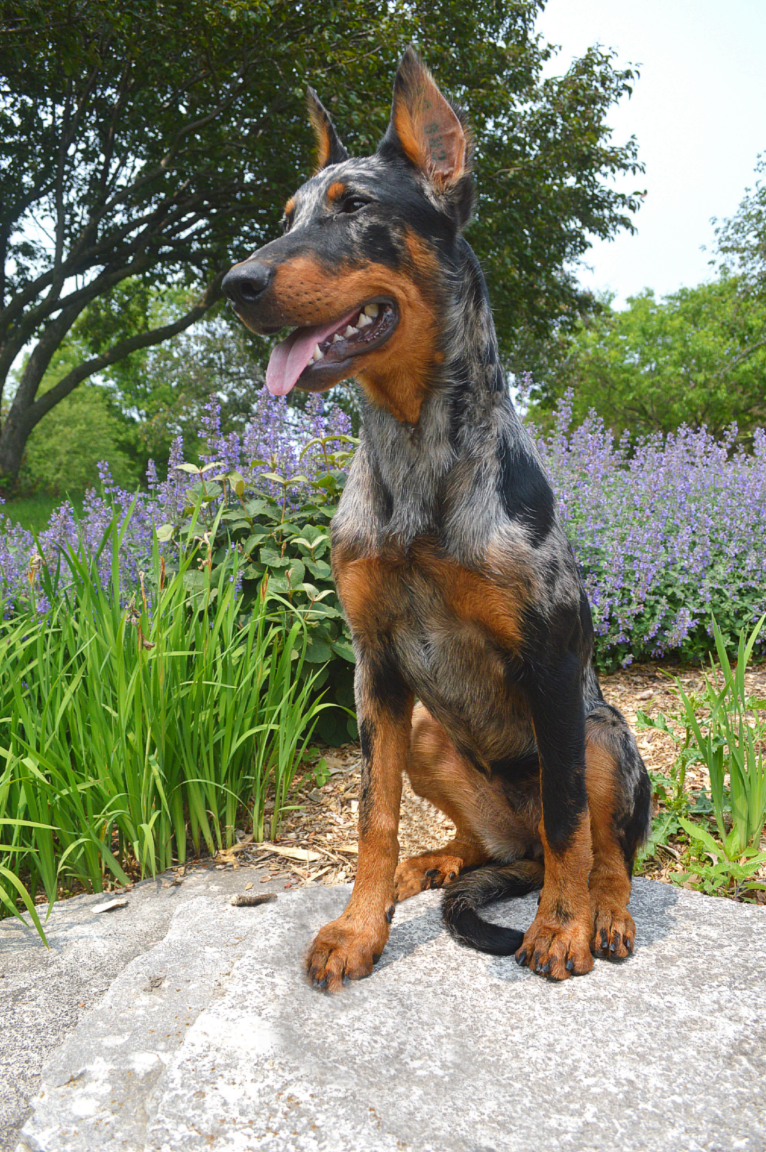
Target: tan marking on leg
[
  {"x": 614, "y": 931},
  {"x": 350, "y": 945},
  {"x": 557, "y": 944},
  {"x": 486, "y": 826},
  {"x": 437, "y": 868}
]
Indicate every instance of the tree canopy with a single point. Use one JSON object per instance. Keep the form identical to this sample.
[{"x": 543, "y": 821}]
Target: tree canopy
[
  {"x": 741, "y": 240},
  {"x": 694, "y": 357},
  {"x": 155, "y": 143}
]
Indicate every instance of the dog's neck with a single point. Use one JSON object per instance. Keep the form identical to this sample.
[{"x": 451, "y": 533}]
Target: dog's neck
[{"x": 424, "y": 474}]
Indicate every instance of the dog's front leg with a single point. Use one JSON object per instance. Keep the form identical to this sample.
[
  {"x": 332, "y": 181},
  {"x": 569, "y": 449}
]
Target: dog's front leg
[
  {"x": 349, "y": 946},
  {"x": 557, "y": 943}
]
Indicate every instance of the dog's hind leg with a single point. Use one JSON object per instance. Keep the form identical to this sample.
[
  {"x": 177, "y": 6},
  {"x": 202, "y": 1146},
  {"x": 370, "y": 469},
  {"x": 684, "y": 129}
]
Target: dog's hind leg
[
  {"x": 486, "y": 828},
  {"x": 442, "y": 776},
  {"x": 619, "y": 800}
]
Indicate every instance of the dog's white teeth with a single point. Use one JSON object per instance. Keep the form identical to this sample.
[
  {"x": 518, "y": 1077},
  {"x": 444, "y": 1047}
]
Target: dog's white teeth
[
  {"x": 350, "y": 331},
  {"x": 371, "y": 310},
  {"x": 317, "y": 354},
  {"x": 364, "y": 320},
  {"x": 336, "y": 338}
]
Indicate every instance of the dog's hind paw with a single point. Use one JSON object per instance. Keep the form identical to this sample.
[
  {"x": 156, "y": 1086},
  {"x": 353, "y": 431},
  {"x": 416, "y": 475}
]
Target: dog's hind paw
[
  {"x": 422, "y": 872},
  {"x": 614, "y": 932}
]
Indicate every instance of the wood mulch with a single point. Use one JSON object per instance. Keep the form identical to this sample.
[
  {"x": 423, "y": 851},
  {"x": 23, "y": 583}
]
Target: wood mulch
[{"x": 316, "y": 843}]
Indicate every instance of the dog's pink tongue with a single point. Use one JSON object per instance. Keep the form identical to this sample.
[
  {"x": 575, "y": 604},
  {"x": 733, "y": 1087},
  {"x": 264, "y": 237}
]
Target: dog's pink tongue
[{"x": 289, "y": 358}]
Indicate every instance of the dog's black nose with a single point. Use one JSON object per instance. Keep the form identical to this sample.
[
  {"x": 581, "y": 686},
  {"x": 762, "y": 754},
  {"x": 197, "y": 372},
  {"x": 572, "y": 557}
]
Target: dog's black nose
[{"x": 246, "y": 283}]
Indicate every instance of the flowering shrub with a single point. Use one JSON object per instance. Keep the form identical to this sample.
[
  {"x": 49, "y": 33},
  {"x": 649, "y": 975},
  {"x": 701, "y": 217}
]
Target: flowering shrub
[
  {"x": 281, "y": 454},
  {"x": 667, "y": 534}
]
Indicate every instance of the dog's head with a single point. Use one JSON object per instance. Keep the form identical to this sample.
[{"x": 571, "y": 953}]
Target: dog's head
[{"x": 360, "y": 272}]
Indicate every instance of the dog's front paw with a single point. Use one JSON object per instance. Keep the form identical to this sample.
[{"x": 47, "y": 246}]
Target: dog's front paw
[
  {"x": 556, "y": 949},
  {"x": 344, "y": 950},
  {"x": 614, "y": 932}
]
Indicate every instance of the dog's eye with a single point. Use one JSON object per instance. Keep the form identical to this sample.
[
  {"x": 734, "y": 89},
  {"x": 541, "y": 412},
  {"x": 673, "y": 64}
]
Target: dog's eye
[
  {"x": 286, "y": 221},
  {"x": 353, "y": 204}
]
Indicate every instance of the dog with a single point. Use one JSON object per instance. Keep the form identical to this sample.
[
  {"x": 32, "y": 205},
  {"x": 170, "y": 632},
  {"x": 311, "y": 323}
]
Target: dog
[{"x": 459, "y": 586}]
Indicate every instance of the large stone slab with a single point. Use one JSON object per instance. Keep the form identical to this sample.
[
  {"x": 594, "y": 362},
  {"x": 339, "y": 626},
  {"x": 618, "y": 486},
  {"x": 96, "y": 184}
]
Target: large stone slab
[
  {"x": 445, "y": 1050},
  {"x": 46, "y": 992}
]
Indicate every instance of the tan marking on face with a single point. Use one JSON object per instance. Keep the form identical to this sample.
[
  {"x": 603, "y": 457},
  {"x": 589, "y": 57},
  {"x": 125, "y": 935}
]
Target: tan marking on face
[
  {"x": 398, "y": 374},
  {"x": 289, "y": 206},
  {"x": 336, "y": 190}
]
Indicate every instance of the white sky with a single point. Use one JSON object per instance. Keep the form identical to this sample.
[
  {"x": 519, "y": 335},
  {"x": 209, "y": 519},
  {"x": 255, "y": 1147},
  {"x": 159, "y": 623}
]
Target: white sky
[{"x": 698, "y": 112}]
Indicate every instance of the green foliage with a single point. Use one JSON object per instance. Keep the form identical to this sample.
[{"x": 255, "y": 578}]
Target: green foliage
[
  {"x": 63, "y": 452},
  {"x": 160, "y": 144},
  {"x": 729, "y": 742},
  {"x": 697, "y": 356},
  {"x": 34, "y": 512},
  {"x": 741, "y": 240},
  {"x": 126, "y": 731},
  {"x": 65, "y": 449},
  {"x": 284, "y": 548},
  {"x": 722, "y": 729},
  {"x": 161, "y": 391},
  {"x": 714, "y": 871}
]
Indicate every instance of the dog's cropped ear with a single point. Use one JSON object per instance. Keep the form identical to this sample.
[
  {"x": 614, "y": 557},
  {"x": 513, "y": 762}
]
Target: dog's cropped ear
[
  {"x": 426, "y": 128},
  {"x": 329, "y": 148}
]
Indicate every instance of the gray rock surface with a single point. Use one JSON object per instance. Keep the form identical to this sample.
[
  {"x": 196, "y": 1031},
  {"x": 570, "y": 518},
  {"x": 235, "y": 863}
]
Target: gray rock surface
[
  {"x": 441, "y": 1050},
  {"x": 45, "y": 992}
]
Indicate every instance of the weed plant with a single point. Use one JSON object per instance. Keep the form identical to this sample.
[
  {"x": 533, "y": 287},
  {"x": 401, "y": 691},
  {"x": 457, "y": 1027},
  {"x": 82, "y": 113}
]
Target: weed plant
[
  {"x": 722, "y": 728},
  {"x": 134, "y": 732}
]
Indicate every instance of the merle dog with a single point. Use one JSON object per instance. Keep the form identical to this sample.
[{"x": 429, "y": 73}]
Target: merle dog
[{"x": 457, "y": 581}]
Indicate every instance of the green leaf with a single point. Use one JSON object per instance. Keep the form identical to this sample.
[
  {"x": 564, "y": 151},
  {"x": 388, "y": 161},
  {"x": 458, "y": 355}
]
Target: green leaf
[{"x": 703, "y": 837}]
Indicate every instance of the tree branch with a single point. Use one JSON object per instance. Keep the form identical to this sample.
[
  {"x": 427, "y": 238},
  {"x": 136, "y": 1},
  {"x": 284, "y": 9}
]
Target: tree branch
[{"x": 119, "y": 351}]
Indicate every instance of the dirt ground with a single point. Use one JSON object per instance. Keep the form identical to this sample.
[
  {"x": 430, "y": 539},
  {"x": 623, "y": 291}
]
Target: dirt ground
[{"x": 317, "y": 841}]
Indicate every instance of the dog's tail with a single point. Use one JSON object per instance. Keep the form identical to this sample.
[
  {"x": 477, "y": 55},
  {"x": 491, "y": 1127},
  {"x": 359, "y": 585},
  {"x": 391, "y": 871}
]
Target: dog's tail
[{"x": 483, "y": 886}]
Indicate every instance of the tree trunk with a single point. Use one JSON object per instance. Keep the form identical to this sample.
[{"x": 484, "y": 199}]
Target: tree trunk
[{"x": 13, "y": 441}]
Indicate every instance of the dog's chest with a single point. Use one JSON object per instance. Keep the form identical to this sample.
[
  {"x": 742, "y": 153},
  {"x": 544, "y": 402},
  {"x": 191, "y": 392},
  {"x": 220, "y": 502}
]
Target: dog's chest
[{"x": 451, "y": 631}]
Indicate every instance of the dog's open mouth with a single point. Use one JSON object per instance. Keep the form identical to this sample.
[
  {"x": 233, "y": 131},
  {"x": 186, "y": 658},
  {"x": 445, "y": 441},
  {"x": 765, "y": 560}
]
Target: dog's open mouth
[{"x": 315, "y": 358}]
